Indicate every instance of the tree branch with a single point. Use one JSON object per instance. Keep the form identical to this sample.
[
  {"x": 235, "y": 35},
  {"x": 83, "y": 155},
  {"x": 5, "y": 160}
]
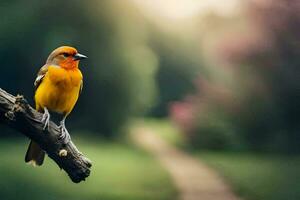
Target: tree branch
[{"x": 19, "y": 115}]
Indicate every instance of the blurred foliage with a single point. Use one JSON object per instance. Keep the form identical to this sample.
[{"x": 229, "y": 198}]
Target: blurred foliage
[
  {"x": 133, "y": 65},
  {"x": 250, "y": 99},
  {"x": 178, "y": 68},
  {"x": 241, "y": 70},
  {"x": 119, "y": 74}
]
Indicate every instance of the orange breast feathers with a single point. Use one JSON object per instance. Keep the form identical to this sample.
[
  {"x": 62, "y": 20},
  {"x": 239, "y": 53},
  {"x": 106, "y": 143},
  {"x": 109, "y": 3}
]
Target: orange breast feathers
[{"x": 59, "y": 90}]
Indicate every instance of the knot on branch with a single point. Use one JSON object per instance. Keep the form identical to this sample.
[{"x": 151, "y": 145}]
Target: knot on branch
[
  {"x": 63, "y": 153},
  {"x": 20, "y": 104}
]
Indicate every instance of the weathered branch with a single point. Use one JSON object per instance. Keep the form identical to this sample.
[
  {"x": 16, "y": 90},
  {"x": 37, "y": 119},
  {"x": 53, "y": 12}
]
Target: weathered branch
[{"x": 19, "y": 115}]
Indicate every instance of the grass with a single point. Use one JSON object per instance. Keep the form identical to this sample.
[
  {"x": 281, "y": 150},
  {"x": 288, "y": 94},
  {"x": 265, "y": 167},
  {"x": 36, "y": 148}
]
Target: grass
[
  {"x": 253, "y": 176},
  {"x": 258, "y": 177},
  {"x": 119, "y": 172}
]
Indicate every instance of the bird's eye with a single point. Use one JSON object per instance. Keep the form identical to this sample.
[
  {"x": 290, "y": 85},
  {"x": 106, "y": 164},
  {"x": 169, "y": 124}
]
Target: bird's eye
[{"x": 66, "y": 54}]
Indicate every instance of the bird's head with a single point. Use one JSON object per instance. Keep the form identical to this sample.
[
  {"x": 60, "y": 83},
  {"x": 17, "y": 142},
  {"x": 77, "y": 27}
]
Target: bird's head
[{"x": 65, "y": 57}]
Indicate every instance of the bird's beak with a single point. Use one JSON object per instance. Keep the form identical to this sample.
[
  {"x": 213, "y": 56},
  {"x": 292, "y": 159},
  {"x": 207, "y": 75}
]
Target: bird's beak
[{"x": 79, "y": 56}]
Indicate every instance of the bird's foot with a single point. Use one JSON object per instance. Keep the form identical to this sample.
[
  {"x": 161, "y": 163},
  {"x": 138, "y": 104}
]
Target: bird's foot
[
  {"x": 46, "y": 119},
  {"x": 64, "y": 134}
]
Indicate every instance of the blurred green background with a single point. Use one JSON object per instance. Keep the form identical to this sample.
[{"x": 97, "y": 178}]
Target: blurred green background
[{"x": 225, "y": 74}]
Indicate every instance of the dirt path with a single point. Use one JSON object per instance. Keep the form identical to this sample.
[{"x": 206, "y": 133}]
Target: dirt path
[{"x": 193, "y": 179}]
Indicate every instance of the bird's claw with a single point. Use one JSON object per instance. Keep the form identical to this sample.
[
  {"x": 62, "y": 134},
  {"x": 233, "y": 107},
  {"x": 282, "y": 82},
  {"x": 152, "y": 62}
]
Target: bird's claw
[
  {"x": 46, "y": 119},
  {"x": 64, "y": 134}
]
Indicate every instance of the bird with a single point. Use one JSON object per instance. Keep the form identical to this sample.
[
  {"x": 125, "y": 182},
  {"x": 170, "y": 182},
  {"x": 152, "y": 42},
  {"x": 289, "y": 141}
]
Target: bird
[{"x": 57, "y": 87}]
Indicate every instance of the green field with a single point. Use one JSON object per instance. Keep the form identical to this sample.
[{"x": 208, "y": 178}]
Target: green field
[
  {"x": 258, "y": 177},
  {"x": 120, "y": 171},
  {"x": 253, "y": 176}
]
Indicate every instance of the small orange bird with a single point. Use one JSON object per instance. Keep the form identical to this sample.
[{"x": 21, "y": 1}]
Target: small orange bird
[{"x": 57, "y": 88}]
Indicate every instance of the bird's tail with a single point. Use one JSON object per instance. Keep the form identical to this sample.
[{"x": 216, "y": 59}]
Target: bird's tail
[{"x": 34, "y": 155}]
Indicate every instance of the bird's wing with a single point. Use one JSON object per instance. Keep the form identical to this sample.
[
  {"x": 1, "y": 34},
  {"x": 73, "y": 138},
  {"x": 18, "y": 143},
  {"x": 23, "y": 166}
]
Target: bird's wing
[
  {"x": 40, "y": 76},
  {"x": 81, "y": 86}
]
